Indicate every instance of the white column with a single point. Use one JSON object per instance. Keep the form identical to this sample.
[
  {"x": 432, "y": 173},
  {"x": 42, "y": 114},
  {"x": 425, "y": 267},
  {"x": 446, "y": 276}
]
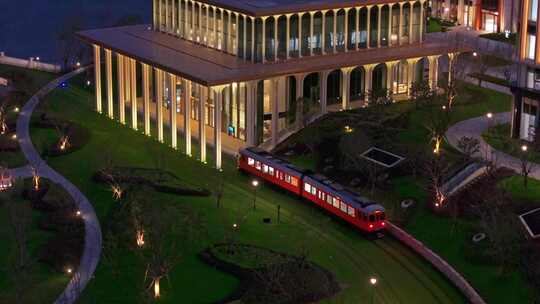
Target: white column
[
  {"x": 389, "y": 24},
  {"x": 179, "y": 16},
  {"x": 346, "y": 87},
  {"x": 411, "y": 22},
  {"x": 121, "y": 90},
  {"x": 421, "y": 34},
  {"x": 288, "y": 35},
  {"x": 300, "y": 34},
  {"x": 357, "y": 24},
  {"x": 411, "y": 67},
  {"x": 334, "y": 38},
  {"x": 186, "y": 99},
  {"x": 276, "y": 38},
  {"x": 275, "y": 110},
  {"x": 379, "y": 17},
  {"x": 172, "y": 111},
  {"x": 251, "y": 112},
  {"x": 311, "y": 38},
  {"x": 368, "y": 32},
  {"x": 173, "y": 17},
  {"x": 390, "y": 75},
  {"x": 433, "y": 71},
  {"x": 203, "y": 97},
  {"x": 187, "y": 27},
  {"x": 193, "y": 31},
  {"x": 218, "y": 101},
  {"x": 134, "y": 109},
  {"x": 160, "y": 10},
  {"x": 108, "y": 67},
  {"x": 245, "y": 36},
  {"x": 222, "y": 31},
  {"x": 127, "y": 79},
  {"x": 155, "y": 14},
  {"x": 216, "y": 38},
  {"x": 207, "y": 28},
  {"x": 323, "y": 34},
  {"x": 400, "y": 27},
  {"x": 97, "y": 77},
  {"x": 263, "y": 50},
  {"x": 323, "y": 90},
  {"x": 368, "y": 69},
  {"x": 346, "y": 29},
  {"x": 159, "y": 103},
  {"x": 146, "y": 98},
  {"x": 253, "y": 51}
]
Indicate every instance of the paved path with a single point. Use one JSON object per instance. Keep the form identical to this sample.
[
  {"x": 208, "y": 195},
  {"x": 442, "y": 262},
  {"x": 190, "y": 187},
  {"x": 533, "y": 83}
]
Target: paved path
[
  {"x": 92, "y": 241},
  {"x": 474, "y": 127}
]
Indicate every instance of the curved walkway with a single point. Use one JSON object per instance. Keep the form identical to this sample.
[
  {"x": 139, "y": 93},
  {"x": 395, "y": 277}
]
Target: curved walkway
[
  {"x": 474, "y": 127},
  {"x": 92, "y": 240}
]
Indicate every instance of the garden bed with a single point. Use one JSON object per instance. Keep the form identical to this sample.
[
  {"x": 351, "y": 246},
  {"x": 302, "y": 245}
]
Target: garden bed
[
  {"x": 160, "y": 180},
  {"x": 267, "y": 276},
  {"x": 70, "y": 137}
]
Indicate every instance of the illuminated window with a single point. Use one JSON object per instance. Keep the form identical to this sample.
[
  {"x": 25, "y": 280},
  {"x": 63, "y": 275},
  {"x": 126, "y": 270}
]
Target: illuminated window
[
  {"x": 251, "y": 161},
  {"x": 271, "y": 171},
  {"x": 329, "y": 199},
  {"x": 258, "y": 165},
  {"x": 531, "y": 41},
  {"x": 265, "y": 168},
  {"x": 307, "y": 187},
  {"x": 335, "y": 202},
  {"x": 313, "y": 191},
  {"x": 294, "y": 181},
  {"x": 288, "y": 178},
  {"x": 350, "y": 211},
  {"x": 343, "y": 207}
]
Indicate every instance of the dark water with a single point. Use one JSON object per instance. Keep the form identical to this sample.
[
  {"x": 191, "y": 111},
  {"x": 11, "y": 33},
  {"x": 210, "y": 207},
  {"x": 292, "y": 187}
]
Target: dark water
[{"x": 29, "y": 28}]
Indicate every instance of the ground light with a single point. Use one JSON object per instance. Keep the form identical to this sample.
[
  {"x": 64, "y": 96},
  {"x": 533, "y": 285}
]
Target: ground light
[
  {"x": 524, "y": 148},
  {"x": 489, "y": 115},
  {"x": 373, "y": 283}
]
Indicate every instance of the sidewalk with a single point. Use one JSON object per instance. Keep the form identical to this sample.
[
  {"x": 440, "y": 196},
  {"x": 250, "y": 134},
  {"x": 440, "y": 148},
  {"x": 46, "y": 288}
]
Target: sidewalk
[
  {"x": 92, "y": 239},
  {"x": 474, "y": 127}
]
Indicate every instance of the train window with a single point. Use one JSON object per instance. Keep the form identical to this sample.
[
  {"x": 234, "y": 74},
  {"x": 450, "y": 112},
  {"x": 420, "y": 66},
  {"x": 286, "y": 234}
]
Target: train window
[
  {"x": 313, "y": 190},
  {"x": 307, "y": 187},
  {"x": 258, "y": 165},
  {"x": 288, "y": 178},
  {"x": 372, "y": 218},
  {"x": 329, "y": 199},
  {"x": 335, "y": 202},
  {"x": 321, "y": 195},
  {"x": 251, "y": 161},
  {"x": 343, "y": 207},
  {"x": 265, "y": 168},
  {"x": 271, "y": 171},
  {"x": 294, "y": 181},
  {"x": 350, "y": 211}
]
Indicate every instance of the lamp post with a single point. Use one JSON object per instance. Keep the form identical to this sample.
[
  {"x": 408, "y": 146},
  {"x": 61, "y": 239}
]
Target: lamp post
[
  {"x": 373, "y": 283},
  {"x": 255, "y": 183}
]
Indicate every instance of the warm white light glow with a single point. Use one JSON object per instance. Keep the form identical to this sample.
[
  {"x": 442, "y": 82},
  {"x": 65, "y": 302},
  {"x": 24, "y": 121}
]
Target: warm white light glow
[
  {"x": 156, "y": 289},
  {"x": 69, "y": 270},
  {"x": 235, "y": 226},
  {"x": 37, "y": 58},
  {"x": 63, "y": 143},
  {"x": 78, "y": 64},
  {"x": 255, "y": 183},
  {"x": 524, "y": 148},
  {"x": 475, "y": 54},
  {"x": 140, "y": 238},
  {"x": 117, "y": 192},
  {"x": 35, "y": 179},
  {"x": 444, "y": 107},
  {"x": 16, "y": 109},
  {"x": 373, "y": 281},
  {"x": 78, "y": 213},
  {"x": 489, "y": 115},
  {"x": 14, "y": 136}
]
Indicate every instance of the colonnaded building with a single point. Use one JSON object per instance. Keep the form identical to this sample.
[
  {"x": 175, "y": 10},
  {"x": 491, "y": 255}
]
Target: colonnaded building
[{"x": 243, "y": 72}]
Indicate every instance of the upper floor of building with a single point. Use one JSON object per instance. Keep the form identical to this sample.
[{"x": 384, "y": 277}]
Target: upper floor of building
[{"x": 280, "y": 30}]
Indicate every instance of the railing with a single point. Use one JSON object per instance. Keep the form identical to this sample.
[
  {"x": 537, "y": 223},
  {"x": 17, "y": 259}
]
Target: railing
[
  {"x": 464, "y": 39},
  {"x": 471, "y": 172},
  {"x": 30, "y": 63}
]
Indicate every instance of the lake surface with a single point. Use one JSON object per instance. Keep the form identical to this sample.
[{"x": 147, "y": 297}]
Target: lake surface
[{"x": 29, "y": 28}]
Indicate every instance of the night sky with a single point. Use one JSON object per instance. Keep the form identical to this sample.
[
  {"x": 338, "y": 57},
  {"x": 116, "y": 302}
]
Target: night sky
[{"x": 30, "y": 27}]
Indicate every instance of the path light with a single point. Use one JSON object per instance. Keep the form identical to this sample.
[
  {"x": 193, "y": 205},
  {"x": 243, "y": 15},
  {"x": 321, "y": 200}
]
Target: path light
[
  {"x": 255, "y": 183},
  {"x": 16, "y": 109},
  {"x": 37, "y": 58},
  {"x": 475, "y": 54},
  {"x": 88, "y": 83},
  {"x": 444, "y": 107},
  {"x": 78, "y": 64},
  {"x": 524, "y": 148},
  {"x": 348, "y": 129},
  {"x": 489, "y": 115},
  {"x": 373, "y": 281},
  {"x": 14, "y": 136},
  {"x": 78, "y": 213},
  {"x": 235, "y": 225},
  {"x": 69, "y": 270}
]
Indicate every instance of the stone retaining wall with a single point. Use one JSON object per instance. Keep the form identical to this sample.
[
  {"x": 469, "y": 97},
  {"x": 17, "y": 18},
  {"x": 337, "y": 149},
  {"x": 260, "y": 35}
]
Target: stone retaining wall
[
  {"x": 451, "y": 274},
  {"x": 30, "y": 63}
]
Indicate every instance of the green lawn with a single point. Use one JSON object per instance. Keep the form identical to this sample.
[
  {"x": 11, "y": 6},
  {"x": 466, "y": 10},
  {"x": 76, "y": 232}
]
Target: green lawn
[
  {"x": 45, "y": 284},
  {"x": 403, "y": 276},
  {"x": 499, "y": 138},
  {"x": 441, "y": 234},
  {"x": 37, "y": 79}
]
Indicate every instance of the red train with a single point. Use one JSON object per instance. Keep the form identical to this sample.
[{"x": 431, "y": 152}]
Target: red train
[{"x": 333, "y": 197}]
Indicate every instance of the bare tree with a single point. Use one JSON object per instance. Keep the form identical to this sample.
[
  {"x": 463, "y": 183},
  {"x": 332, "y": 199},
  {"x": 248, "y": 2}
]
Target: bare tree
[
  {"x": 436, "y": 168},
  {"x": 219, "y": 189},
  {"x": 421, "y": 93},
  {"x": 71, "y": 48},
  {"x": 525, "y": 165}
]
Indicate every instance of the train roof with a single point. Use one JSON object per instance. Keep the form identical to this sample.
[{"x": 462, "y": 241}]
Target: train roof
[
  {"x": 275, "y": 162},
  {"x": 347, "y": 195}
]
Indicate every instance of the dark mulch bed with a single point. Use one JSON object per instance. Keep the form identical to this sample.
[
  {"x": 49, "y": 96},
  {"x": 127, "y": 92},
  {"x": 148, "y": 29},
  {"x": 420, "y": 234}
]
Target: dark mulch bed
[
  {"x": 59, "y": 215},
  {"x": 160, "y": 180},
  {"x": 290, "y": 280},
  {"x": 78, "y": 136},
  {"x": 8, "y": 144}
]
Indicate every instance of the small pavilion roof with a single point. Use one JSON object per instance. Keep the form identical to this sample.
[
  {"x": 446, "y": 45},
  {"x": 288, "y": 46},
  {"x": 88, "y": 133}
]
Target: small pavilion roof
[
  {"x": 211, "y": 67},
  {"x": 259, "y": 8}
]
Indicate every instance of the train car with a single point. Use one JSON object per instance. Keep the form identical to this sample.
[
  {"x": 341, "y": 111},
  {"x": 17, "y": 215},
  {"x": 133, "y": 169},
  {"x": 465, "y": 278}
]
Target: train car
[
  {"x": 279, "y": 172},
  {"x": 350, "y": 206}
]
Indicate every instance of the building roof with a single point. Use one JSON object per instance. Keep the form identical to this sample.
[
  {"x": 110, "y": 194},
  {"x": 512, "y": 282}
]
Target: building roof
[
  {"x": 211, "y": 67},
  {"x": 275, "y": 7}
]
